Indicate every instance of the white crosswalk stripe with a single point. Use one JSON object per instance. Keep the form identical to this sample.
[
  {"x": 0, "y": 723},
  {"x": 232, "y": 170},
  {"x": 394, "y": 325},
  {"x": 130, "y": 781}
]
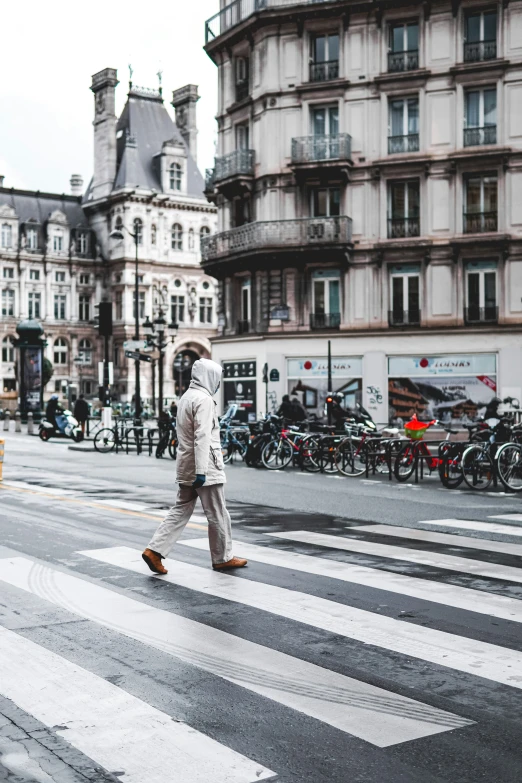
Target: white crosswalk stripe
[
  {"x": 435, "y": 559},
  {"x": 432, "y": 537},
  {"x": 481, "y": 527},
  {"x": 514, "y": 517}
]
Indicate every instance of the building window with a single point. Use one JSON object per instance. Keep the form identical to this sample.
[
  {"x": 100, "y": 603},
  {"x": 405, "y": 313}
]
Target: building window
[
  {"x": 7, "y": 302},
  {"x": 404, "y": 47},
  {"x": 87, "y": 387},
  {"x": 8, "y": 273},
  {"x": 205, "y": 309},
  {"x": 7, "y": 351},
  {"x": 58, "y": 242},
  {"x": 118, "y": 224},
  {"x": 246, "y": 304},
  {"x": 206, "y": 285},
  {"x": 31, "y": 238},
  {"x": 326, "y": 303},
  {"x": 175, "y": 176},
  {"x": 403, "y": 128},
  {"x": 59, "y": 307},
  {"x": 141, "y": 305},
  {"x": 481, "y": 117},
  {"x": 177, "y": 237},
  {"x": 34, "y": 301},
  {"x": 204, "y": 232},
  {"x": 60, "y": 351},
  {"x": 85, "y": 279},
  {"x": 153, "y": 234},
  {"x": 480, "y": 205},
  {"x": 6, "y": 235},
  {"x": 85, "y": 351},
  {"x": 82, "y": 243},
  {"x": 177, "y": 282},
  {"x": 34, "y": 274},
  {"x": 177, "y": 309},
  {"x": 481, "y": 292},
  {"x": 116, "y": 355},
  {"x": 242, "y": 78},
  {"x": 325, "y": 202},
  {"x": 60, "y": 277},
  {"x": 242, "y": 136},
  {"x": 403, "y": 209},
  {"x": 191, "y": 239},
  {"x": 118, "y": 300},
  {"x": 84, "y": 308},
  {"x": 324, "y": 63},
  {"x": 138, "y": 230},
  {"x": 404, "y": 296},
  {"x": 480, "y": 41}
]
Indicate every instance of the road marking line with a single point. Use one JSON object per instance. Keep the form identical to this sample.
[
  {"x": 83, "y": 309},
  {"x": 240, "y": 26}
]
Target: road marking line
[
  {"x": 495, "y": 663},
  {"x": 373, "y": 714},
  {"x": 435, "y": 559},
  {"x": 514, "y": 517},
  {"x": 440, "y": 538},
  {"x": 435, "y": 592},
  {"x": 466, "y": 524},
  {"x": 113, "y": 728}
]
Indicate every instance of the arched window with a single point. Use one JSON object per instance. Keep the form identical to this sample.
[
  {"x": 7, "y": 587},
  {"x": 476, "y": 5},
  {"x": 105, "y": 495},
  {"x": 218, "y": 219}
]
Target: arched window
[
  {"x": 204, "y": 231},
  {"x": 118, "y": 225},
  {"x": 177, "y": 237},
  {"x": 138, "y": 230},
  {"x": 60, "y": 351},
  {"x": 85, "y": 351},
  {"x": 6, "y": 236},
  {"x": 7, "y": 350},
  {"x": 153, "y": 234},
  {"x": 175, "y": 176},
  {"x": 191, "y": 239}
]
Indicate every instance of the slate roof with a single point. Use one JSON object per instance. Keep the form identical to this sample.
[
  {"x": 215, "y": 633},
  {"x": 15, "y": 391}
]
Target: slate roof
[{"x": 37, "y": 206}]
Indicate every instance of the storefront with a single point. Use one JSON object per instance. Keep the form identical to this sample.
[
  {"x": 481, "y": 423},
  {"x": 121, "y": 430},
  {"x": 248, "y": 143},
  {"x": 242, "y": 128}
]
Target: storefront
[
  {"x": 239, "y": 388},
  {"x": 307, "y": 379},
  {"x": 453, "y": 388}
]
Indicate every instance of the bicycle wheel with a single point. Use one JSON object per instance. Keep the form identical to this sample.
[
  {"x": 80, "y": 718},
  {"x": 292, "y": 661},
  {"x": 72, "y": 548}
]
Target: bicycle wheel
[
  {"x": 477, "y": 467},
  {"x": 277, "y": 454},
  {"x": 173, "y": 447},
  {"x": 450, "y": 469},
  {"x": 327, "y": 455},
  {"x": 509, "y": 466},
  {"x": 349, "y": 457},
  {"x": 405, "y": 462},
  {"x": 105, "y": 440},
  {"x": 308, "y": 454}
]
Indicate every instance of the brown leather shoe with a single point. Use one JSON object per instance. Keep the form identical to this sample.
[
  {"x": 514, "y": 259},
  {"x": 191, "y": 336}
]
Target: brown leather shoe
[
  {"x": 236, "y": 562},
  {"x": 153, "y": 560}
]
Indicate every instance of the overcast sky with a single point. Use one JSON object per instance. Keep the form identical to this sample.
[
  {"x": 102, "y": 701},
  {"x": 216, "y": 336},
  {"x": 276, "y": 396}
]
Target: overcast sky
[{"x": 49, "y": 51}]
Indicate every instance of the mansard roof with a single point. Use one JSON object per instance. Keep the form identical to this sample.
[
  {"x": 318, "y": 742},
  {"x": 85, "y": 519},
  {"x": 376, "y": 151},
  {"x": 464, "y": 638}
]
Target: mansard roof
[
  {"x": 145, "y": 125},
  {"x": 35, "y": 206}
]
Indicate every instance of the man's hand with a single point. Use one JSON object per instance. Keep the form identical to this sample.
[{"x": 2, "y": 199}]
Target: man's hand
[{"x": 200, "y": 480}]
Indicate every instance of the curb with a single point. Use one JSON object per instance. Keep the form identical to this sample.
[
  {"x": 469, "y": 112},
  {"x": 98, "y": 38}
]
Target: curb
[{"x": 78, "y": 447}]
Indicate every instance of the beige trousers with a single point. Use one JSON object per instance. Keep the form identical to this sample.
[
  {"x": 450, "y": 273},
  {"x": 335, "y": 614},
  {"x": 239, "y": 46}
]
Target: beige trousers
[{"x": 219, "y": 525}]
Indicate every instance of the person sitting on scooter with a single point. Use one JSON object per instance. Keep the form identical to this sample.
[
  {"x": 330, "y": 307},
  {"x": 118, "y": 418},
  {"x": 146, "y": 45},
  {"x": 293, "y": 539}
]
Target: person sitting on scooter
[{"x": 53, "y": 407}]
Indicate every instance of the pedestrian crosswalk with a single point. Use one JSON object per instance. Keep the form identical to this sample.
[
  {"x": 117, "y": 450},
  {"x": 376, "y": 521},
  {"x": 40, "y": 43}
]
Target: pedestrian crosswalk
[{"x": 205, "y": 622}]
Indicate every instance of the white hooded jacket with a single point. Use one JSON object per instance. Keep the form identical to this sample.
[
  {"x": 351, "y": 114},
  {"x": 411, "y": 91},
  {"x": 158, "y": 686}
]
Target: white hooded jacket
[{"x": 197, "y": 424}]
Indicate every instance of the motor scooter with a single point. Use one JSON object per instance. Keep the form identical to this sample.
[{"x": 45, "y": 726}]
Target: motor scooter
[{"x": 67, "y": 427}]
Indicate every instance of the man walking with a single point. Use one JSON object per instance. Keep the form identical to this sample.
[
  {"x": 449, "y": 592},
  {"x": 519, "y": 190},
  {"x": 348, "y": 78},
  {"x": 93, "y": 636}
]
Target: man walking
[
  {"x": 81, "y": 411},
  {"x": 200, "y": 473}
]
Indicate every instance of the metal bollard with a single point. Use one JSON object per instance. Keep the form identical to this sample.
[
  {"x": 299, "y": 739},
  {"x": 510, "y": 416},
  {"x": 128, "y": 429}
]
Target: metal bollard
[
  {"x": 2, "y": 441},
  {"x": 30, "y": 423},
  {"x": 6, "y": 421},
  {"x": 18, "y": 421}
]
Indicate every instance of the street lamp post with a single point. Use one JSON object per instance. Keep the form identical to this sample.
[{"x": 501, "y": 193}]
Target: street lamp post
[{"x": 150, "y": 330}]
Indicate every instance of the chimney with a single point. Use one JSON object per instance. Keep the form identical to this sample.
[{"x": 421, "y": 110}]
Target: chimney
[
  {"x": 184, "y": 101},
  {"x": 76, "y": 184},
  {"x": 104, "y": 89}
]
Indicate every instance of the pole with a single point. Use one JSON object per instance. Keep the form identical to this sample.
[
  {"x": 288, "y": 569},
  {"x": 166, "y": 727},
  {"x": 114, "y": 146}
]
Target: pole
[
  {"x": 106, "y": 383},
  {"x": 153, "y": 371},
  {"x": 330, "y": 390},
  {"x": 137, "y": 392},
  {"x": 161, "y": 347}
]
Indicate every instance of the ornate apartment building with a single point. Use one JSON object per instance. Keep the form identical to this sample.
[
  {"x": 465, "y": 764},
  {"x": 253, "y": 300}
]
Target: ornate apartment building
[
  {"x": 57, "y": 259},
  {"x": 369, "y": 192}
]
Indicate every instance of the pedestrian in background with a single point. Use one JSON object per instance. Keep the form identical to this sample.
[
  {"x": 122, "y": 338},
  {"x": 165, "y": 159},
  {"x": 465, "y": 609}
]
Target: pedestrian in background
[
  {"x": 200, "y": 473},
  {"x": 81, "y": 411},
  {"x": 286, "y": 409},
  {"x": 298, "y": 412}
]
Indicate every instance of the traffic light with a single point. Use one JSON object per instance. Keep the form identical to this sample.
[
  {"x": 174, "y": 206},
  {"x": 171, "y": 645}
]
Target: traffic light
[
  {"x": 103, "y": 320},
  {"x": 329, "y": 404}
]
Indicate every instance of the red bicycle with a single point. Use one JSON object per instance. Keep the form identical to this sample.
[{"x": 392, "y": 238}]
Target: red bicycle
[{"x": 414, "y": 450}]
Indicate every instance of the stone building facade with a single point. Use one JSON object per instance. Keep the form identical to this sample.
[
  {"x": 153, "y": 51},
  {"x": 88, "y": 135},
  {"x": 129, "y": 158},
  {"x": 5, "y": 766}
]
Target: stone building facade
[
  {"x": 369, "y": 192},
  {"x": 57, "y": 259}
]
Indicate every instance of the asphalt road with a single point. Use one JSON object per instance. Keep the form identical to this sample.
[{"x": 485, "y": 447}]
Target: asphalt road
[{"x": 346, "y": 651}]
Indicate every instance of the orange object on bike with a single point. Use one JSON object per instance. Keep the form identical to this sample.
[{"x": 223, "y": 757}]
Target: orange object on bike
[{"x": 415, "y": 429}]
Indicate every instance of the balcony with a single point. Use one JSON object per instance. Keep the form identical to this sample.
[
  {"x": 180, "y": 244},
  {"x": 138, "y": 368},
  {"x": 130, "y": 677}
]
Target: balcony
[
  {"x": 404, "y": 317},
  {"x": 403, "y": 228},
  {"x": 480, "y": 50},
  {"x": 474, "y": 137},
  {"x": 324, "y": 71},
  {"x": 398, "y": 62},
  {"x": 325, "y": 320},
  {"x": 278, "y": 235},
  {"x": 239, "y": 10},
  {"x": 398, "y": 144},
  {"x": 243, "y": 327},
  {"x": 312, "y": 149},
  {"x": 480, "y": 222},
  {"x": 237, "y": 163},
  {"x": 481, "y": 315}
]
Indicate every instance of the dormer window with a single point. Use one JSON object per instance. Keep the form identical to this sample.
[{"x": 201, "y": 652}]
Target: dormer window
[
  {"x": 58, "y": 242},
  {"x": 82, "y": 242},
  {"x": 6, "y": 235},
  {"x": 175, "y": 176},
  {"x": 31, "y": 238}
]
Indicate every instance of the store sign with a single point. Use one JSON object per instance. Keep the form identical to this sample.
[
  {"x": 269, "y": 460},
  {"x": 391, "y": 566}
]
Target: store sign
[
  {"x": 346, "y": 367},
  {"x": 419, "y": 366},
  {"x": 239, "y": 370}
]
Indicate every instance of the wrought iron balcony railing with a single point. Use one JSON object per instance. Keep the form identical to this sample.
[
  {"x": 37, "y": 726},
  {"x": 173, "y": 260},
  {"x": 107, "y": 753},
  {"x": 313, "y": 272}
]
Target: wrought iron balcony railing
[
  {"x": 325, "y": 320},
  {"x": 403, "y": 61},
  {"x": 481, "y": 315},
  {"x": 308, "y": 149},
  {"x": 237, "y": 162},
  {"x": 301, "y": 232},
  {"x": 238, "y": 10},
  {"x": 409, "y": 317},
  {"x": 243, "y": 327},
  {"x": 409, "y": 143},
  {"x": 480, "y": 50},
  {"x": 324, "y": 71},
  {"x": 402, "y": 228},
  {"x": 473, "y": 137},
  {"x": 480, "y": 222}
]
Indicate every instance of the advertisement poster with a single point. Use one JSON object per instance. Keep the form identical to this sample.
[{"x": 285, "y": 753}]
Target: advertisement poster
[
  {"x": 308, "y": 381},
  {"x": 243, "y": 394},
  {"x": 32, "y": 370},
  {"x": 451, "y": 400}
]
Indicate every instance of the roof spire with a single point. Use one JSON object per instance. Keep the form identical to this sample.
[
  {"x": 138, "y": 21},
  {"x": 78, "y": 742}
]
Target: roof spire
[
  {"x": 160, "y": 78},
  {"x": 130, "y": 76}
]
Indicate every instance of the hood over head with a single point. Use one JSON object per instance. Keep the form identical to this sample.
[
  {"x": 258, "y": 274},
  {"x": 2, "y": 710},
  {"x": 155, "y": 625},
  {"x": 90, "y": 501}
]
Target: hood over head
[{"x": 206, "y": 375}]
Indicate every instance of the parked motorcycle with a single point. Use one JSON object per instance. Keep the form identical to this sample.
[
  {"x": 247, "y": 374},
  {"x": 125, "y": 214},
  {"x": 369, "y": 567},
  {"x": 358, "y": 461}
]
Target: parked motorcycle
[{"x": 68, "y": 427}]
